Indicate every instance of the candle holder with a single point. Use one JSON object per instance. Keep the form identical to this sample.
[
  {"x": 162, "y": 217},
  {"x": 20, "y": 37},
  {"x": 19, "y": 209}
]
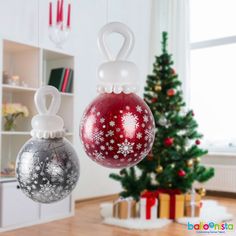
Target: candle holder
[{"x": 58, "y": 34}]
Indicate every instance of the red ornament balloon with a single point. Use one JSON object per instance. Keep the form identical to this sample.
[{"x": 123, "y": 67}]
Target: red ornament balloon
[
  {"x": 168, "y": 142},
  {"x": 181, "y": 173},
  {"x": 117, "y": 129}
]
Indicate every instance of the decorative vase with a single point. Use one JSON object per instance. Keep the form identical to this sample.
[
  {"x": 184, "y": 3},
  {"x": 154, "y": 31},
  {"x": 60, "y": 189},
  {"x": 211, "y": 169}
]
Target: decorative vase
[{"x": 9, "y": 124}]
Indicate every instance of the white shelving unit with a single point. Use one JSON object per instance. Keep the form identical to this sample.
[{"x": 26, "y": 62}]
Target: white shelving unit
[{"x": 33, "y": 65}]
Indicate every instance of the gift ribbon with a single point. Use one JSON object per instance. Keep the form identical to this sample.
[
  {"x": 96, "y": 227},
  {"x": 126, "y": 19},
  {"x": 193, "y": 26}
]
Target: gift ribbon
[{"x": 154, "y": 195}]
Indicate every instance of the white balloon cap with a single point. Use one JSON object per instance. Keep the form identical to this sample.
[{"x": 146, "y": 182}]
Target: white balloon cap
[
  {"x": 117, "y": 75},
  {"x": 47, "y": 124}
]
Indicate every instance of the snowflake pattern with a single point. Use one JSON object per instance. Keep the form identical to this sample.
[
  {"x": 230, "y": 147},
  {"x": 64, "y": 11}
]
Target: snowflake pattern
[
  {"x": 139, "y": 146},
  {"x": 112, "y": 123},
  {"x": 98, "y": 137},
  {"x": 120, "y": 136},
  {"x": 125, "y": 148},
  {"x": 51, "y": 162},
  {"x": 102, "y": 120},
  {"x": 139, "y": 109},
  {"x": 98, "y": 155},
  {"x": 145, "y": 118},
  {"x": 139, "y": 135},
  {"x": 110, "y": 133},
  {"x": 149, "y": 134},
  {"x": 130, "y": 121}
]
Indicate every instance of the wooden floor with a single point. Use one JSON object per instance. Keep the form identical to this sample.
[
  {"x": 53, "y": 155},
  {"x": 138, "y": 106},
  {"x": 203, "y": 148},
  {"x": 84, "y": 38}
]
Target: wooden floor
[{"x": 87, "y": 222}]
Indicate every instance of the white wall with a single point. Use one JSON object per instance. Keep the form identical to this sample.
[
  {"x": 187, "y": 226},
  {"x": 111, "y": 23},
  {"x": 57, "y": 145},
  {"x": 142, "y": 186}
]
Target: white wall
[{"x": 21, "y": 20}]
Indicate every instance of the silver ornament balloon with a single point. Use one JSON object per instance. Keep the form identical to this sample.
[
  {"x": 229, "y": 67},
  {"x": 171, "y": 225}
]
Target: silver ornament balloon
[{"x": 47, "y": 166}]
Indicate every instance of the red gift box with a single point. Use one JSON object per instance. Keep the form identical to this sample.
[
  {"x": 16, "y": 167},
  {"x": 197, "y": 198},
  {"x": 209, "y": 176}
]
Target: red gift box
[{"x": 151, "y": 196}]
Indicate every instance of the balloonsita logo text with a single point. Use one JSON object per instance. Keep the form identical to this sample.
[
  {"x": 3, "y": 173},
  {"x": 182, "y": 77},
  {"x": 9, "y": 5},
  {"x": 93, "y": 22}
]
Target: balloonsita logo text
[{"x": 210, "y": 227}]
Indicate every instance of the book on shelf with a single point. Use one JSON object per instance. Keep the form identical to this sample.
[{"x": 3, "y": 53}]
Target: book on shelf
[
  {"x": 65, "y": 80},
  {"x": 62, "y": 79},
  {"x": 70, "y": 82}
]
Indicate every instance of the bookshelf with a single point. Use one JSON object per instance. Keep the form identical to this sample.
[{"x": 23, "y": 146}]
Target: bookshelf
[{"x": 32, "y": 64}]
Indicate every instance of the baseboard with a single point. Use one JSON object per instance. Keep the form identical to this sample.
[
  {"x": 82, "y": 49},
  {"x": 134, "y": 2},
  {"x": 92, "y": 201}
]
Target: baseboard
[
  {"x": 221, "y": 194},
  {"x": 97, "y": 199}
]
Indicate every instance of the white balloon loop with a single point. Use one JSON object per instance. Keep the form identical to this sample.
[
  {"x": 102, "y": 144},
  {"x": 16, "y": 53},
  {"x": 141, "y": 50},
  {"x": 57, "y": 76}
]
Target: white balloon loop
[
  {"x": 40, "y": 100},
  {"x": 127, "y": 46}
]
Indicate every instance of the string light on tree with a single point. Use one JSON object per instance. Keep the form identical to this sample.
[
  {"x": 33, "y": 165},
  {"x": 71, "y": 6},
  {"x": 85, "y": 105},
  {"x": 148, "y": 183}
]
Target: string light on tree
[{"x": 117, "y": 128}]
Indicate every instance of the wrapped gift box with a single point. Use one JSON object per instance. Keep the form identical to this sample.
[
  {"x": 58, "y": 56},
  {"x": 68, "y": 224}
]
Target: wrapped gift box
[
  {"x": 124, "y": 208},
  {"x": 148, "y": 207},
  {"x": 192, "y": 205},
  {"x": 171, "y": 205}
]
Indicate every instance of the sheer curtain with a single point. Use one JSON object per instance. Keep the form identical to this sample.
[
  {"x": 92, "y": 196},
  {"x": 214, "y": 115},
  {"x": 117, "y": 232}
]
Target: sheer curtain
[{"x": 172, "y": 16}]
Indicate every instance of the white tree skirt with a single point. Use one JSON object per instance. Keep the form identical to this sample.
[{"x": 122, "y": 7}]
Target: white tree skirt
[{"x": 210, "y": 211}]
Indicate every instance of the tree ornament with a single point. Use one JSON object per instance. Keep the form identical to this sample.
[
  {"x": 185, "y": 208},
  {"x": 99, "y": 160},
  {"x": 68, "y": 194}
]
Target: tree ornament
[
  {"x": 197, "y": 142},
  {"x": 189, "y": 163},
  {"x": 197, "y": 160},
  {"x": 154, "y": 100},
  {"x": 201, "y": 192},
  {"x": 150, "y": 156},
  {"x": 181, "y": 173},
  {"x": 171, "y": 92},
  {"x": 159, "y": 169},
  {"x": 158, "y": 88},
  {"x": 168, "y": 142},
  {"x": 117, "y": 128},
  {"x": 162, "y": 121},
  {"x": 173, "y": 71},
  {"x": 47, "y": 166}
]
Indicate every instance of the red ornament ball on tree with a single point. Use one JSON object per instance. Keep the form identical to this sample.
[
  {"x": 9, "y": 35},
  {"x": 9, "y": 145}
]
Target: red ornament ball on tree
[
  {"x": 154, "y": 100},
  {"x": 168, "y": 142},
  {"x": 197, "y": 142},
  {"x": 181, "y": 173},
  {"x": 170, "y": 92},
  {"x": 117, "y": 130}
]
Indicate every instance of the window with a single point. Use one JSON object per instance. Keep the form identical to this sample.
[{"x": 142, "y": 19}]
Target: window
[{"x": 213, "y": 71}]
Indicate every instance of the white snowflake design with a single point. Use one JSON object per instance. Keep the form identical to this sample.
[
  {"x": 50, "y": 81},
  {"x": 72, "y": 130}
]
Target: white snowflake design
[
  {"x": 54, "y": 169},
  {"x": 98, "y": 136},
  {"x": 125, "y": 148},
  {"x": 130, "y": 121},
  {"x": 112, "y": 123},
  {"x": 112, "y": 141},
  {"x": 98, "y": 155},
  {"x": 110, "y": 133},
  {"x": 139, "y": 109},
  {"x": 139, "y": 135},
  {"x": 139, "y": 146},
  {"x": 102, "y": 120},
  {"x": 47, "y": 189},
  {"x": 149, "y": 134},
  {"x": 145, "y": 118}
]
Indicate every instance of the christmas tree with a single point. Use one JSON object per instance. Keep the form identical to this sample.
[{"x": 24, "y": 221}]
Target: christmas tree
[{"x": 174, "y": 162}]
